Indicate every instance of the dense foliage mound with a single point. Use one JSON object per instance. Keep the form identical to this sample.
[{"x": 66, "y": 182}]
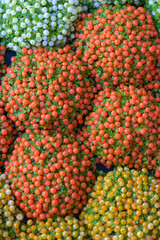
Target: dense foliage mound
[
  {"x": 124, "y": 128},
  {"x": 26, "y": 23},
  {"x": 49, "y": 173},
  {"x": 124, "y": 205},
  {"x": 119, "y": 44},
  {"x": 10, "y": 216},
  {"x": 47, "y": 87}
]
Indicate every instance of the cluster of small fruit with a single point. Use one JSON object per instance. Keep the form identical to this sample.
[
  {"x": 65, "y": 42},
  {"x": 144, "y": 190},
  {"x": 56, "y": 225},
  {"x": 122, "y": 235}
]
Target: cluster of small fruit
[{"x": 62, "y": 110}]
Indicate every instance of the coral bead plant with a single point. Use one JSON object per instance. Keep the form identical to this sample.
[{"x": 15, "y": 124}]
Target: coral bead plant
[
  {"x": 7, "y": 133},
  {"x": 154, "y": 87},
  {"x": 119, "y": 44},
  {"x": 2, "y": 65},
  {"x": 154, "y": 7},
  {"x": 124, "y": 205},
  {"x": 10, "y": 217},
  {"x": 67, "y": 228},
  {"x": 49, "y": 173},
  {"x": 69, "y": 109},
  {"x": 124, "y": 128},
  {"x": 26, "y": 23},
  {"x": 45, "y": 87}
]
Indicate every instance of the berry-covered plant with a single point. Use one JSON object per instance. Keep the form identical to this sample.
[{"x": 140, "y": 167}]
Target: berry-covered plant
[
  {"x": 45, "y": 87},
  {"x": 119, "y": 44},
  {"x": 90, "y": 5},
  {"x": 124, "y": 205},
  {"x": 27, "y": 23},
  {"x": 68, "y": 228},
  {"x": 154, "y": 86},
  {"x": 47, "y": 93},
  {"x": 124, "y": 128},
  {"x": 154, "y": 7},
  {"x": 10, "y": 217},
  {"x": 7, "y": 133},
  {"x": 2, "y": 65},
  {"x": 49, "y": 173}
]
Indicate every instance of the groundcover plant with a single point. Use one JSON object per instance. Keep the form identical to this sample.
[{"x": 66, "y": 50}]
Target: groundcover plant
[
  {"x": 82, "y": 93},
  {"x": 154, "y": 7},
  {"x": 123, "y": 128},
  {"x": 49, "y": 172},
  {"x": 119, "y": 45},
  {"x": 46, "y": 22},
  {"x": 90, "y": 5},
  {"x": 47, "y": 87},
  {"x": 2, "y": 55},
  {"x": 124, "y": 205}
]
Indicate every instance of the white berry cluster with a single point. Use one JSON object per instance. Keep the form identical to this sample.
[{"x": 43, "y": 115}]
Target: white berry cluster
[
  {"x": 92, "y": 4},
  {"x": 28, "y": 23}
]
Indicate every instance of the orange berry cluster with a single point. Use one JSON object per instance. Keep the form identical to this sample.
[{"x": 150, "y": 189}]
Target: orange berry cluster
[
  {"x": 2, "y": 65},
  {"x": 154, "y": 86},
  {"x": 119, "y": 45},
  {"x": 49, "y": 173},
  {"x": 7, "y": 133},
  {"x": 46, "y": 87},
  {"x": 124, "y": 128}
]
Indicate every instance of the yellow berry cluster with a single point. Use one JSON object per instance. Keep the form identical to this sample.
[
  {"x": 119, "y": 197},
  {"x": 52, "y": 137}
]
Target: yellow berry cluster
[
  {"x": 124, "y": 205},
  {"x": 67, "y": 228},
  {"x": 10, "y": 216}
]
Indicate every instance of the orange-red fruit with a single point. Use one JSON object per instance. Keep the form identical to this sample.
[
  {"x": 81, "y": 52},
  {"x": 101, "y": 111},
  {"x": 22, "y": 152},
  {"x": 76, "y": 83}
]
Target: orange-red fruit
[
  {"x": 119, "y": 45},
  {"x": 47, "y": 87},
  {"x": 124, "y": 128},
  {"x": 50, "y": 174}
]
